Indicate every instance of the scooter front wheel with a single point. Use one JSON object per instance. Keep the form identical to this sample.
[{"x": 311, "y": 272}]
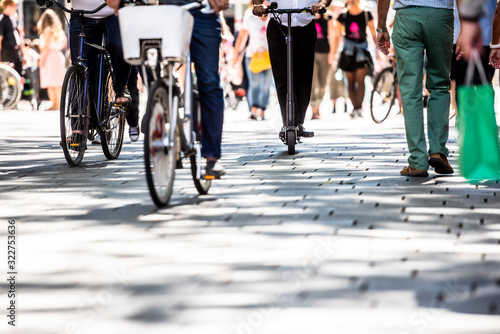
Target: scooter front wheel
[{"x": 291, "y": 139}]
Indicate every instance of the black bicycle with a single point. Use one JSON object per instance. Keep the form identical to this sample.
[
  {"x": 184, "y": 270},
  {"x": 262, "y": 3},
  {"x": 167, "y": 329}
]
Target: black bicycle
[
  {"x": 289, "y": 130},
  {"x": 78, "y": 121},
  {"x": 384, "y": 93}
]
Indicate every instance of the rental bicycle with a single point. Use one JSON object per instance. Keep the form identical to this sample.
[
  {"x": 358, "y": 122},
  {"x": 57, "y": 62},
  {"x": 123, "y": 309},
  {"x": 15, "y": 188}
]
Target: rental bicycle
[
  {"x": 172, "y": 121},
  {"x": 78, "y": 120},
  {"x": 10, "y": 86},
  {"x": 290, "y": 132},
  {"x": 385, "y": 92}
]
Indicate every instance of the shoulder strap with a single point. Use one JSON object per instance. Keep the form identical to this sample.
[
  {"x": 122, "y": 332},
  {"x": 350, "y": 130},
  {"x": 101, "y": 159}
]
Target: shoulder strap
[{"x": 366, "y": 17}]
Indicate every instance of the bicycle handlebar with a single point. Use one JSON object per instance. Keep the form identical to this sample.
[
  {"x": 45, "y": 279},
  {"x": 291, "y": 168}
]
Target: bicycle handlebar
[
  {"x": 48, "y": 3},
  {"x": 273, "y": 8}
]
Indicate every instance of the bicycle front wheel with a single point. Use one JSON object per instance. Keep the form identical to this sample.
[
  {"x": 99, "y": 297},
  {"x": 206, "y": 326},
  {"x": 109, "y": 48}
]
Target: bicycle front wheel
[
  {"x": 112, "y": 120},
  {"x": 10, "y": 87},
  {"x": 159, "y": 159},
  {"x": 74, "y": 116},
  {"x": 383, "y": 95}
]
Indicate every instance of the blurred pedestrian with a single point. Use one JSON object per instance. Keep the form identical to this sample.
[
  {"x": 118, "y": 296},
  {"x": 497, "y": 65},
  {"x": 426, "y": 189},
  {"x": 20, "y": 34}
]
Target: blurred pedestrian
[
  {"x": 470, "y": 32},
  {"x": 355, "y": 59},
  {"x": 336, "y": 81},
  {"x": 459, "y": 64},
  {"x": 323, "y": 53},
  {"x": 422, "y": 25},
  {"x": 304, "y": 39},
  {"x": 10, "y": 37},
  {"x": 259, "y": 79},
  {"x": 52, "y": 62}
]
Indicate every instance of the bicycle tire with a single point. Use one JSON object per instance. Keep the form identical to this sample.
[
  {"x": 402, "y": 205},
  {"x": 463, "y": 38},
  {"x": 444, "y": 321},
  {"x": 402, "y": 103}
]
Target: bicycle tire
[
  {"x": 383, "y": 95},
  {"x": 112, "y": 120},
  {"x": 202, "y": 184},
  {"x": 10, "y": 87},
  {"x": 291, "y": 141},
  {"x": 160, "y": 165},
  {"x": 74, "y": 115}
]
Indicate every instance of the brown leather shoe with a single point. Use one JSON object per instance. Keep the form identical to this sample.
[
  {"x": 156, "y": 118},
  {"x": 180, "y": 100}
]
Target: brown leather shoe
[
  {"x": 440, "y": 164},
  {"x": 410, "y": 171}
]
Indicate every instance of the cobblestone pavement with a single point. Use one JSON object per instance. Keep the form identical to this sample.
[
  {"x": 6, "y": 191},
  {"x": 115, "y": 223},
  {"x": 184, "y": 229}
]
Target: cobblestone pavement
[{"x": 331, "y": 240}]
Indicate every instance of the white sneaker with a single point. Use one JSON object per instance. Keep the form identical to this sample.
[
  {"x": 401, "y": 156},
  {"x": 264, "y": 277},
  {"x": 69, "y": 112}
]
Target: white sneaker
[
  {"x": 97, "y": 140},
  {"x": 133, "y": 133}
]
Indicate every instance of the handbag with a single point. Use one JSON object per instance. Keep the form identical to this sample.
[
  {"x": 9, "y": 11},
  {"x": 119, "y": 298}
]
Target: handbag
[
  {"x": 479, "y": 153},
  {"x": 259, "y": 62}
]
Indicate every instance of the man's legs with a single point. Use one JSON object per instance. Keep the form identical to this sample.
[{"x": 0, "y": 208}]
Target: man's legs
[
  {"x": 121, "y": 69},
  {"x": 439, "y": 47},
  {"x": 409, "y": 46},
  {"x": 205, "y": 54}
]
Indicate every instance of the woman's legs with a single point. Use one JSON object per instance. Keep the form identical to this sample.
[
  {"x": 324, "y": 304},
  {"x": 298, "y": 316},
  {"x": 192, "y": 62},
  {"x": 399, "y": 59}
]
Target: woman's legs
[
  {"x": 356, "y": 82},
  {"x": 54, "y": 96}
]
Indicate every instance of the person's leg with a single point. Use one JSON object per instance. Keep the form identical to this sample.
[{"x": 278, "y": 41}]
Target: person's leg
[
  {"x": 277, "y": 53},
  {"x": 304, "y": 41},
  {"x": 351, "y": 84},
  {"x": 409, "y": 46},
  {"x": 316, "y": 84},
  {"x": 121, "y": 70},
  {"x": 246, "y": 62},
  {"x": 323, "y": 74},
  {"x": 265, "y": 78},
  {"x": 359, "y": 78},
  {"x": 133, "y": 106},
  {"x": 205, "y": 54},
  {"x": 252, "y": 90},
  {"x": 439, "y": 48}
]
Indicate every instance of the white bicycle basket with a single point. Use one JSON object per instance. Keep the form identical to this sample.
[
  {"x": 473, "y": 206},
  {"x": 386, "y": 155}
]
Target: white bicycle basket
[{"x": 167, "y": 28}]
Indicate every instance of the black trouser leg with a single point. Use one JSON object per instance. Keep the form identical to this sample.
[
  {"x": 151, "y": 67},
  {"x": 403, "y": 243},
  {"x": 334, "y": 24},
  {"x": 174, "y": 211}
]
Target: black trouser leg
[{"x": 304, "y": 40}]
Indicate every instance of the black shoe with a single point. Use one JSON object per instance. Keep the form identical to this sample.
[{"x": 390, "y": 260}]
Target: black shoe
[
  {"x": 302, "y": 132},
  {"x": 282, "y": 134},
  {"x": 214, "y": 170}
]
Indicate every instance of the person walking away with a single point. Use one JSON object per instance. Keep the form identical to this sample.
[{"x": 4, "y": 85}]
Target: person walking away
[
  {"x": 259, "y": 83},
  {"x": 355, "y": 59},
  {"x": 324, "y": 36},
  {"x": 336, "y": 81},
  {"x": 422, "y": 25},
  {"x": 10, "y": 37},
  {"x": 304, "y": 39},
  {"x": 52, "y": 62}
]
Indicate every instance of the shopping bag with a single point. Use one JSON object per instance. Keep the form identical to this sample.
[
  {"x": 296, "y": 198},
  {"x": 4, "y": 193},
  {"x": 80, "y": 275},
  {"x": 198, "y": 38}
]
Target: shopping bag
[
  {"x": 479, "y": 158},
  {"x": 260, "y": 61}
]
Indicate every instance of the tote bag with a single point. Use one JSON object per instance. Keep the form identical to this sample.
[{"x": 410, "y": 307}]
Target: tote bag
[
  {"x": 479, "y": 158},
  {"x": 259, "y": 62}
]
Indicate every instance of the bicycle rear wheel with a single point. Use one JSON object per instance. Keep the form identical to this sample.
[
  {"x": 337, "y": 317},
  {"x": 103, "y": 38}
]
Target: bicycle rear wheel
[
  {"x": 10, "y": 87},
  {"x": 383, "y": 95},
  {"x": 160, "y": 161},
  {"x": 74, "y": 116},
  {"x": 112, "y": 121},
  {"x": 197, "y": 161}
]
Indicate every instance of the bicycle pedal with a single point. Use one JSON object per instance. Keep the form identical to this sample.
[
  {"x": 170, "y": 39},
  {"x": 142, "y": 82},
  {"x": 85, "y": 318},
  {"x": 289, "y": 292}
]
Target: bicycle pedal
[{"x": 209, "y": 177}]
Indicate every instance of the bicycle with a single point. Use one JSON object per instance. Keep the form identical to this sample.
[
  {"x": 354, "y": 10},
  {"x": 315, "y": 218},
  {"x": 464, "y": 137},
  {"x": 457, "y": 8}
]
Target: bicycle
[
  {"x": 78, "y": 121},
  {"x": 172, "y": 120},
  {"x": 290, "y": 131},
  {"x": 384, "y": 93},
  {"x": 10, "y": 86}
]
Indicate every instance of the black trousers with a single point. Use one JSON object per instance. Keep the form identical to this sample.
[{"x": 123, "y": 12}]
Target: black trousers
[{"x": 304, "y": 40}]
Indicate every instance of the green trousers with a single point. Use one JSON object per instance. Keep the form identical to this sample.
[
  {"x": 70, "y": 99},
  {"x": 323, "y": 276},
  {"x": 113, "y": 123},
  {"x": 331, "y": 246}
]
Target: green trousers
[{"x": 419, "y": 29}]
